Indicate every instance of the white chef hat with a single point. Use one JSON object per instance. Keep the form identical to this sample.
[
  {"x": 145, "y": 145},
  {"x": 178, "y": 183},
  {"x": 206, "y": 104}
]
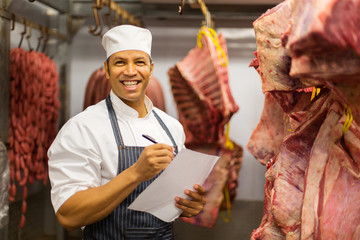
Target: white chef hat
[{"x": 126, "y": 37}]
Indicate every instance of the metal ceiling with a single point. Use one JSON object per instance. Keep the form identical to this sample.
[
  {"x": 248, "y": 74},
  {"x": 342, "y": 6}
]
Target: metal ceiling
[
  {"x": 153, "y": 13},
  {"x": 226, "y": 13}
]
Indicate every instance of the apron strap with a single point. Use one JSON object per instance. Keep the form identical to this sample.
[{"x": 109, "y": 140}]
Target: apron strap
[
  {"x": 116, "y": 129},
  {"x": 114, "y": 123},
  {"x": 166, "y": 130}
]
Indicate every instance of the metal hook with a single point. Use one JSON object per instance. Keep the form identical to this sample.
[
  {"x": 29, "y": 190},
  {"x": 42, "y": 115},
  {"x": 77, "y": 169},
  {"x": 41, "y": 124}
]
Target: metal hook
[
  {"x": 107, "y": 16},
  {"x": 42, "y": 30},
  {"x": 13, "y": 22},
  {"x": 95, "y": 8},
  {"x": 125, "y": 17},
  {"x": 101, "y": 23},
  {"x": 116, "y": 17},
  {"x": 208, "y": 21},
  {"x": 46, "y": 39},
  {"x": 23, "y": 33},
  {"x": 29, "y": 36},
  {"x": 181, "y": 7},
  {"x": 120, "y": 16},
  {"x": 98, "y": 19}
]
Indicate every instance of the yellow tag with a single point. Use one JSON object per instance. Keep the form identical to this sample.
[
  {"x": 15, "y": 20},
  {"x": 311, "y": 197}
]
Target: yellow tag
[
  {"x": 227, "y": 218},
  {"x": 349, "y": 119},
  {"x": 212, "y": 34},
  {"x": 315, "y": 92},
  {"x": 228, "y": 143}
]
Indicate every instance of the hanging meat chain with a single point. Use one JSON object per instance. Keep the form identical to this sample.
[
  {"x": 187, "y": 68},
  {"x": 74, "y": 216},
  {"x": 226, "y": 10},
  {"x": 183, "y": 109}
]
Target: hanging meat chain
[
  {"x": 34, "y": 109},
  {"x": 200, "y": 87}
]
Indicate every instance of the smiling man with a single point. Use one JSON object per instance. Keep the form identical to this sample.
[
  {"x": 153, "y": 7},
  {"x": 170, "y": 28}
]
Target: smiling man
[{"x": 99, "y": 162}]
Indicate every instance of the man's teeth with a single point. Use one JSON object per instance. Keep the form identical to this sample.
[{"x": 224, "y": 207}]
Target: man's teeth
[{"x": 130, "y": 83}]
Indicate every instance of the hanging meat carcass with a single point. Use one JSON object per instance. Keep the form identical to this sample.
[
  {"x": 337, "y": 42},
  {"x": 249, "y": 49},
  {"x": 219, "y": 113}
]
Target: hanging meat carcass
[
  {"x": 312, "y": 181},
  {"x": 273, "y": 61},
  {"x": 98, "y": 87},
  {"x": 323, "y": 38},
  {"x": 323, "y": 42},
  {"x": 33, "y": 117},
  {"x": 205, "y": 105},
  {"x": 200, "y": 85}
]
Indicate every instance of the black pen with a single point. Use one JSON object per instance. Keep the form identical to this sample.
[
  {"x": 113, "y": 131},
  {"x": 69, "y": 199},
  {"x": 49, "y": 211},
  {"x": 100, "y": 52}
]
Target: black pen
[
  {"x": 152, "y": 140},
  {"x": 149, "y": 138}
]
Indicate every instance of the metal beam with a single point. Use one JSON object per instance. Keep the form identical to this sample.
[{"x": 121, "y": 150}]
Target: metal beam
[
  {"x": 61, "y": 6},
  {"x": 4, "y": 76}
]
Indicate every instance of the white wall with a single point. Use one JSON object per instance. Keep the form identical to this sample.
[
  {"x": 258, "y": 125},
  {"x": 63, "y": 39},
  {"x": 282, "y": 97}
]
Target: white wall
[{"x": 169, "y": 47}]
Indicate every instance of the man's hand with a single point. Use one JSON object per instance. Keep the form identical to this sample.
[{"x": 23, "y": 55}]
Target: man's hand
[
  {"x": 152, "y": 160},
  {"x": 195, "y": 204}
]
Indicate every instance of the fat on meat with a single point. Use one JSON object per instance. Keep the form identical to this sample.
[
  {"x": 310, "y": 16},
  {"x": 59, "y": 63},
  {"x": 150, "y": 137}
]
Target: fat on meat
[
  {"x": 267, "y": 137},
  {"x": 273, "y": 61}
]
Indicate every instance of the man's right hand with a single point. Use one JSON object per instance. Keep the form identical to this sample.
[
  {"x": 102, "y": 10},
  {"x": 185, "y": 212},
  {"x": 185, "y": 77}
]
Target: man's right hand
[
  {"x": 93, "y": 204},
  {"x": 152, "y": 160}
]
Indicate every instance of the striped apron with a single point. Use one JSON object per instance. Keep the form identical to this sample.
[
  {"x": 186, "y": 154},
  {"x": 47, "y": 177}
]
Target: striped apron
[{"x": 124, "y": 223}]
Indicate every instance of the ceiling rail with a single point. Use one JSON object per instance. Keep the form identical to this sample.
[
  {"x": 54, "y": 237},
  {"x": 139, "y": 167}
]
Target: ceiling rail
[{"x": 121, "y": 16}]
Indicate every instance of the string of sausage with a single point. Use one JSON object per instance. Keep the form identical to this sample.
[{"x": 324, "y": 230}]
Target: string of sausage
[{"x": 33, "y": 114}]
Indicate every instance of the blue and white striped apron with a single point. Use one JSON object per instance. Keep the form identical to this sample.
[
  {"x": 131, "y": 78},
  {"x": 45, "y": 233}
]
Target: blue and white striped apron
[{"x": 124, "y": 223}]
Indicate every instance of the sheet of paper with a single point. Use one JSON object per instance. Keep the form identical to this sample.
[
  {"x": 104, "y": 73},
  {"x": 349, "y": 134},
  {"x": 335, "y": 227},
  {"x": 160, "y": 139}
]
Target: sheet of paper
[{"x": 186, "y": 169}]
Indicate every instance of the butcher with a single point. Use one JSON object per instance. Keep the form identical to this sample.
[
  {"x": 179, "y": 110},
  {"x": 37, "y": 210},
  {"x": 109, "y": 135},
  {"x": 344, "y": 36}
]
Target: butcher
[{"x": 100, "y": 162}]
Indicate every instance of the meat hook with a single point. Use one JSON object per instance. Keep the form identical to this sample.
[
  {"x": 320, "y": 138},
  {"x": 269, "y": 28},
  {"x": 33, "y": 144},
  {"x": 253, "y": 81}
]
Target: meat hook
[
  {"x": 116, "y": 17},
  {"x": 125, "y": 17},
  {"x": 107, "y": 16},
  {"x": 42, "y": 30},
  {"x": 181, "y": 7},
  {"x": 13, "y": 22},
  {"x": 23, "y": 33},
  {"x": 101, "y": 25},
  {"x": 29, "y": 36},
  {"x": 46, "y": 39},
  {"x": 95, "y": 7}
]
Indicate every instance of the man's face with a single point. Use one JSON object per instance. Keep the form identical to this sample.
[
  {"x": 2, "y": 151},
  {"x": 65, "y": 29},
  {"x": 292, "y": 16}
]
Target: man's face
[{"x": 129, "y": 73}]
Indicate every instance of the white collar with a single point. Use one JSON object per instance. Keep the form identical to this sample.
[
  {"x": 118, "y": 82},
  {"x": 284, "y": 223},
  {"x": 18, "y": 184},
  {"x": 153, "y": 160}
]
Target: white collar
[{"x": 122, "y": 110}]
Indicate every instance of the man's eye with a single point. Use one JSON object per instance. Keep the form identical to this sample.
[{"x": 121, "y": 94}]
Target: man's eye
[
  {"x": 119, "y": 62},
  {"x": 140, "y": 62}
]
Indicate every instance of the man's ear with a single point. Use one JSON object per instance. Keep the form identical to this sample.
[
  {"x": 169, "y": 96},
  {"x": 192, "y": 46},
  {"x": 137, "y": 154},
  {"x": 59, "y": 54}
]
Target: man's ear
[
  {"x": 107, "y": 70},
  {"x": 151, "y": 68}
]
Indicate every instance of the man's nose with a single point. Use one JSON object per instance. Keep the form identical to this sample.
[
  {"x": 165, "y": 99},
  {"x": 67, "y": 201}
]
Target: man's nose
[{"x": 130, "y": 69}]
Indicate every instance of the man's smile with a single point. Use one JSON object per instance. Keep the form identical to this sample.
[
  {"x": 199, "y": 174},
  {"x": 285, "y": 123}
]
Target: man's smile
[{"x": 130, "y": 83}]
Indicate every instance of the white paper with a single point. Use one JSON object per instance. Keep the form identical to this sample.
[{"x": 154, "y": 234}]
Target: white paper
[{"x": 186, "y": 169}]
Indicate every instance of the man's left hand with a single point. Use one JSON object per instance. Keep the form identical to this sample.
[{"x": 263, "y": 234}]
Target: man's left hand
[{"x": 195, "y": 204}]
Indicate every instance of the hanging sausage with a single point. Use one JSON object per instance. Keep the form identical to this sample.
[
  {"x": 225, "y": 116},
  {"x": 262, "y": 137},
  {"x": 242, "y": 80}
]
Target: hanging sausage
[{"x": 34, "y": 109}]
